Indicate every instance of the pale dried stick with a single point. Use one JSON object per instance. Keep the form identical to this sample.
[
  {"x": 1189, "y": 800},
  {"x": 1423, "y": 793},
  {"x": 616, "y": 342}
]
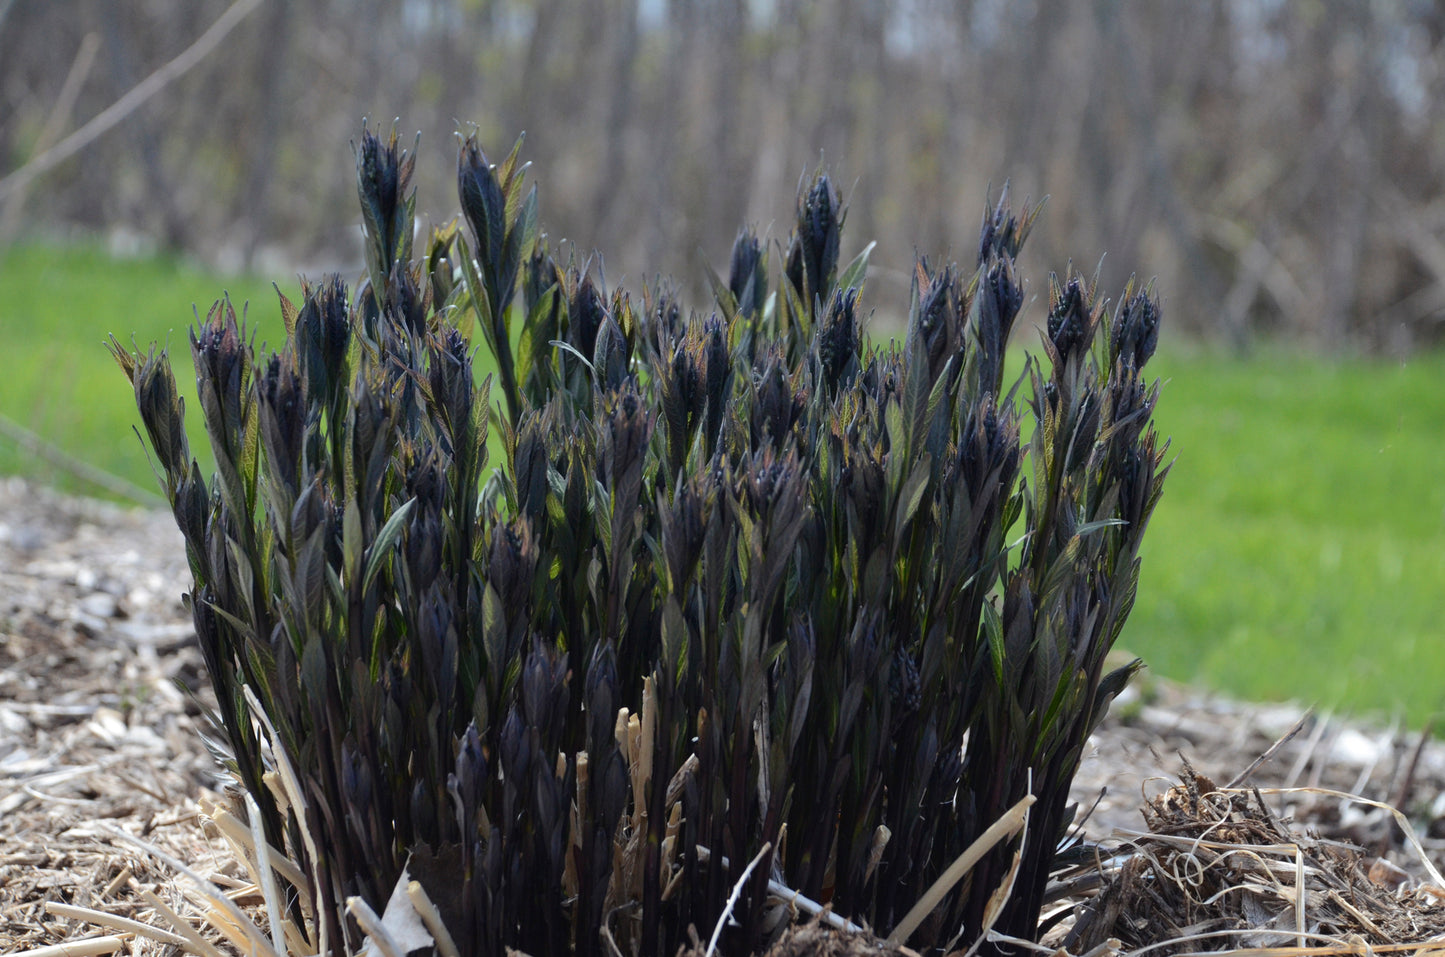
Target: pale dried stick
[
  {"x": 1400, "y": 819},
  {"x": 179, "y": 924},
  {"x": 292, "y": 783},
  {"x": 116, "y": 882},
  {"x": 783, "y": 893},
  {"x": 254, "y": 938},
  {"x": 1339, "y": 901},
  {"x": 372, "y": 926},
  {"x": 1308, "y": 752},
  {"x": 999, "y": 830},
  {"x": 113, "y": 921},
  {"x": 1300, "y": 893},
  {"x": 733, "y": 897},
  {"x": 90, "y": 947},
  {"x": 236, "y": 832},
  {"x": 1334, "y": 945},
  {"x": 1271, "y": 751},
  {"x": 233, "y": 932},
  {"x": 268, "y": 877},
  {"x": 427, "y": 911},
  {"x": 810, "y": 907},
  {"x": 1000, "y": 896}
]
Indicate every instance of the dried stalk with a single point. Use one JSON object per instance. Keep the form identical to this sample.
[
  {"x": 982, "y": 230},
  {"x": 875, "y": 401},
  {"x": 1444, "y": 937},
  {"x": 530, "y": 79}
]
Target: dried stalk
[
  {"x": 90, "y": 947},
  {"x": 733, "y": 897},
  {"x": 427, "y": 911},
  {"x": 199, "y": 945},
  {"x": 251, "y": 936},
  {"x": 113, "y": 921},
  {"x": 999, "y": 830}
]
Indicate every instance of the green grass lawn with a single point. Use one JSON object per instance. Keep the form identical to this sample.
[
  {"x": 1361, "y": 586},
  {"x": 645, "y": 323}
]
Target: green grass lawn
[
  {"x": 57, "y": 306},
  {"x": 1299, "y": 550}
]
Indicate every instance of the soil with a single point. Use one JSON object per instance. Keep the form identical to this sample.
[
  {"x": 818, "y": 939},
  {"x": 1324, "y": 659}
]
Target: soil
[{"x": 102, "y": 726}]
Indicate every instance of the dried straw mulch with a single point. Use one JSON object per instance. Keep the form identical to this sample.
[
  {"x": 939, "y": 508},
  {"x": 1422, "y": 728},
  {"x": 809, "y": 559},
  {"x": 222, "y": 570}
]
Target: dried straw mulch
[{"x": 1218, "y": 870}]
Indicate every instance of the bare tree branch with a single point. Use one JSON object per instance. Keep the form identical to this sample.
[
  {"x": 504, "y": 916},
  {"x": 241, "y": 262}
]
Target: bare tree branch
[
  {"x": 131, "y": 101},
  {"x": 79, "y": 468},
  {"x": 54, "y": 125}
]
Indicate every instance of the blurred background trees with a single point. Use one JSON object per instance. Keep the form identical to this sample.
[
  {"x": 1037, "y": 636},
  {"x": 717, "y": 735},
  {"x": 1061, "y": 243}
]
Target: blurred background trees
[{"x": 1277, "y": 164}]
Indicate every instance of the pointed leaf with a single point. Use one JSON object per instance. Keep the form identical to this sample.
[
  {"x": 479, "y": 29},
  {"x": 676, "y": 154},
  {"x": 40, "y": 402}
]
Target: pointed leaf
[
  {"x": 507, "y": 168},
  {"x": 351, "y": 543},
  {"x": 856, "y": 272},
  {"x": 289, "y": 311},
  {"x": 993, "y": 632},
  {"x": 674, "y": 639},
  {"x": 385, "y": 538},
  {"x": 477, "y": 291},
  {"x": 726, "y": 302},
  {"x": 912, "y": 495},
  {"x": 494, "y": 628}
]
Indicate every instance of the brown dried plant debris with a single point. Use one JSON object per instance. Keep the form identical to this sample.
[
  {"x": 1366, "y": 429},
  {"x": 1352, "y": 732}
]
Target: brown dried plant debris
[
  {"x": 1219, "y": 870},
  {"x": 1137, "y": 751},
  {"x": 815, "y": 939}
]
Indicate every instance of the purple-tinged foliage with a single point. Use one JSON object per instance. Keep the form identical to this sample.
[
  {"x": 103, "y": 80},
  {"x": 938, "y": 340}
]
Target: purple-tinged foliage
[
  {"x": 740, "y": 575},
  {"x": 1003, "y": 231},
  {"x": 813, "y": 250},
  {"x": 587, "y": 314},
  {"x": 388, "y": 205},
  {"x": 748, "y": 274},
  {"x": 838, "y": 338},
  {"x": 1072, "y": 316},
  {"x": 1134, "y": 332}
]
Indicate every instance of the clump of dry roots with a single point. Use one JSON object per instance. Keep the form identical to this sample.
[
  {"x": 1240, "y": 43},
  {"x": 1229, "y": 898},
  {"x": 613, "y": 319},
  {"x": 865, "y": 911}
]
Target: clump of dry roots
[{"x": 1219, "y": 871}]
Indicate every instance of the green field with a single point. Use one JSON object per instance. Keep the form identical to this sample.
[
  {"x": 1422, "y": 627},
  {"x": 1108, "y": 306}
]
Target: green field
[
  {"x": 56, "y": 309},
  {"x": 1300, "y": 546},
  {"x": 1299, "y": 550}
]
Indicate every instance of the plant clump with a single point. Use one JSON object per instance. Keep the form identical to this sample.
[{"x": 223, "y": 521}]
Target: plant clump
[{"x": 745, "y": 588}]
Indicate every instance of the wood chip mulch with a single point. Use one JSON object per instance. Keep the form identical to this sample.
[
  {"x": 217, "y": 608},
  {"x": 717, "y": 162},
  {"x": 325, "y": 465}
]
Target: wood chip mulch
[{"x": 95, "y": 732}]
